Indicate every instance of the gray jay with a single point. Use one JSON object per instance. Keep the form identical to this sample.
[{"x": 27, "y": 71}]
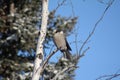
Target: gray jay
[{"x": 61, "y": 43}]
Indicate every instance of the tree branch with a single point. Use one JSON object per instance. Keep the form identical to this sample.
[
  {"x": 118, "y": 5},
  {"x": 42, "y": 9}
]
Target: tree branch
[
  {"x": 83, "y": 53},
  {"x": 48, "y": 58},
  {"x": 108, "y": 77},
  {"x": 60, "y": 4},
  {"x": 41, "y": 68},
  {"x": 94, "y": 28},
  {"x": 73, "y": 13}
]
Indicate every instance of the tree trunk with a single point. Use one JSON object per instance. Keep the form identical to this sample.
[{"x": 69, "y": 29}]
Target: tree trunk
[{"x": 39, "y": 52}]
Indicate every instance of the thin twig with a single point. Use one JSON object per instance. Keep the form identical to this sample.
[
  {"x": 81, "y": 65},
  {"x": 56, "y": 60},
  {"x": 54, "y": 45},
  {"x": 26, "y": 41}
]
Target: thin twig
[
  {"x": 73, "y": 12},
  {"x": 47, "y": 59},
  {"x": 110, "y": 76},
  {"x": 76, "y": 43},
  {"x": 83, "y": 53},
  {"x": 102, "y": 2},
  {"x": 96, "y": 24},
  {"x": 59, "y": 5},
  {"x": 73, "y": 42},
  {"x": 113, "y": 76},
  {"x": 51, "y": 49}
]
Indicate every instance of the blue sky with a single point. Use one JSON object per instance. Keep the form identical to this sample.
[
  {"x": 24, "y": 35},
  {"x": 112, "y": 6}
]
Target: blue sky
[{"x": 104, "y": 54}]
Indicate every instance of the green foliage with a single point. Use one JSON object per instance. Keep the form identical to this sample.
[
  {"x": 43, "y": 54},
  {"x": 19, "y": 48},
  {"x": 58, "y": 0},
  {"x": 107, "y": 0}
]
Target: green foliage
[
  {"x": 20, "y": 21},
  {"x": 62, "y": 67}
]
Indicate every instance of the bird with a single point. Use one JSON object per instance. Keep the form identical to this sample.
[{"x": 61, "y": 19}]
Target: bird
[{"x": 61, "y": 43}]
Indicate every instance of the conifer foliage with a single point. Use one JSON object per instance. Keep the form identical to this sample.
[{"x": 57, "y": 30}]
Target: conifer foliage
[{"x": 20, "y": 22}]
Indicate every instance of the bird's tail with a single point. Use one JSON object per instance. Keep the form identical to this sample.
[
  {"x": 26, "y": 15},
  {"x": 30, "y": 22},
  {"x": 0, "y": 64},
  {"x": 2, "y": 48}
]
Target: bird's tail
[{"x": 67, "y": 54}]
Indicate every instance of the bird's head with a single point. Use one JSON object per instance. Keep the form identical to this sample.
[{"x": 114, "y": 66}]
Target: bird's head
[{"x": 56, "y": 31}]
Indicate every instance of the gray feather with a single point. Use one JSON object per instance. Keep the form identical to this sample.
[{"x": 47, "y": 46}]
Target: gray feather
[{"x": 61, "y": 43}]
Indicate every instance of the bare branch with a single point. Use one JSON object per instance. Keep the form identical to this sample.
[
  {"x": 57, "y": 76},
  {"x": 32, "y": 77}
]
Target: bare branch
[
  {"x": 72, "y": 8},
  {"x": 76, "y": 43},
  {"x": 52, "y": 13},
  {"x": 60, "y": 4},
  {"x": 113, "y": 76},
  {"x": 108, "y": 77},
  {"x": 96, "y": 24},
  {"x": 47, "y": 59},
  {"x": 51, "y": 49},
  {"x": 83, "y": 53}
]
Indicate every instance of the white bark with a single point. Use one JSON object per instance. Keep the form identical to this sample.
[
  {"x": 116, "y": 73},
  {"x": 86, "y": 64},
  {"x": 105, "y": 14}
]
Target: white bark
[{"x": 39, "y": 52}]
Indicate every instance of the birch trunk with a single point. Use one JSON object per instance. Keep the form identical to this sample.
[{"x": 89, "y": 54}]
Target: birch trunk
[{"x": 39, "y": 52}]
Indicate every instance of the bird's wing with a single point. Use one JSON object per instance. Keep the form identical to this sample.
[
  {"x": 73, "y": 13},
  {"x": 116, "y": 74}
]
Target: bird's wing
[{"x": 68, "y": 46}]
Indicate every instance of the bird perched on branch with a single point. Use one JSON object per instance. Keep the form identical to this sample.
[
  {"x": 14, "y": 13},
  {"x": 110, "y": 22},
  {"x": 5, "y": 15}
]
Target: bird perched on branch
[{"x": 61, "y": 43}]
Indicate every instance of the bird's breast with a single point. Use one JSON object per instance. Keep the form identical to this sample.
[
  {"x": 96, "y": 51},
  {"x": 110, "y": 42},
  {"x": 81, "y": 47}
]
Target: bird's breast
[{"x": 60, "y": 42}]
